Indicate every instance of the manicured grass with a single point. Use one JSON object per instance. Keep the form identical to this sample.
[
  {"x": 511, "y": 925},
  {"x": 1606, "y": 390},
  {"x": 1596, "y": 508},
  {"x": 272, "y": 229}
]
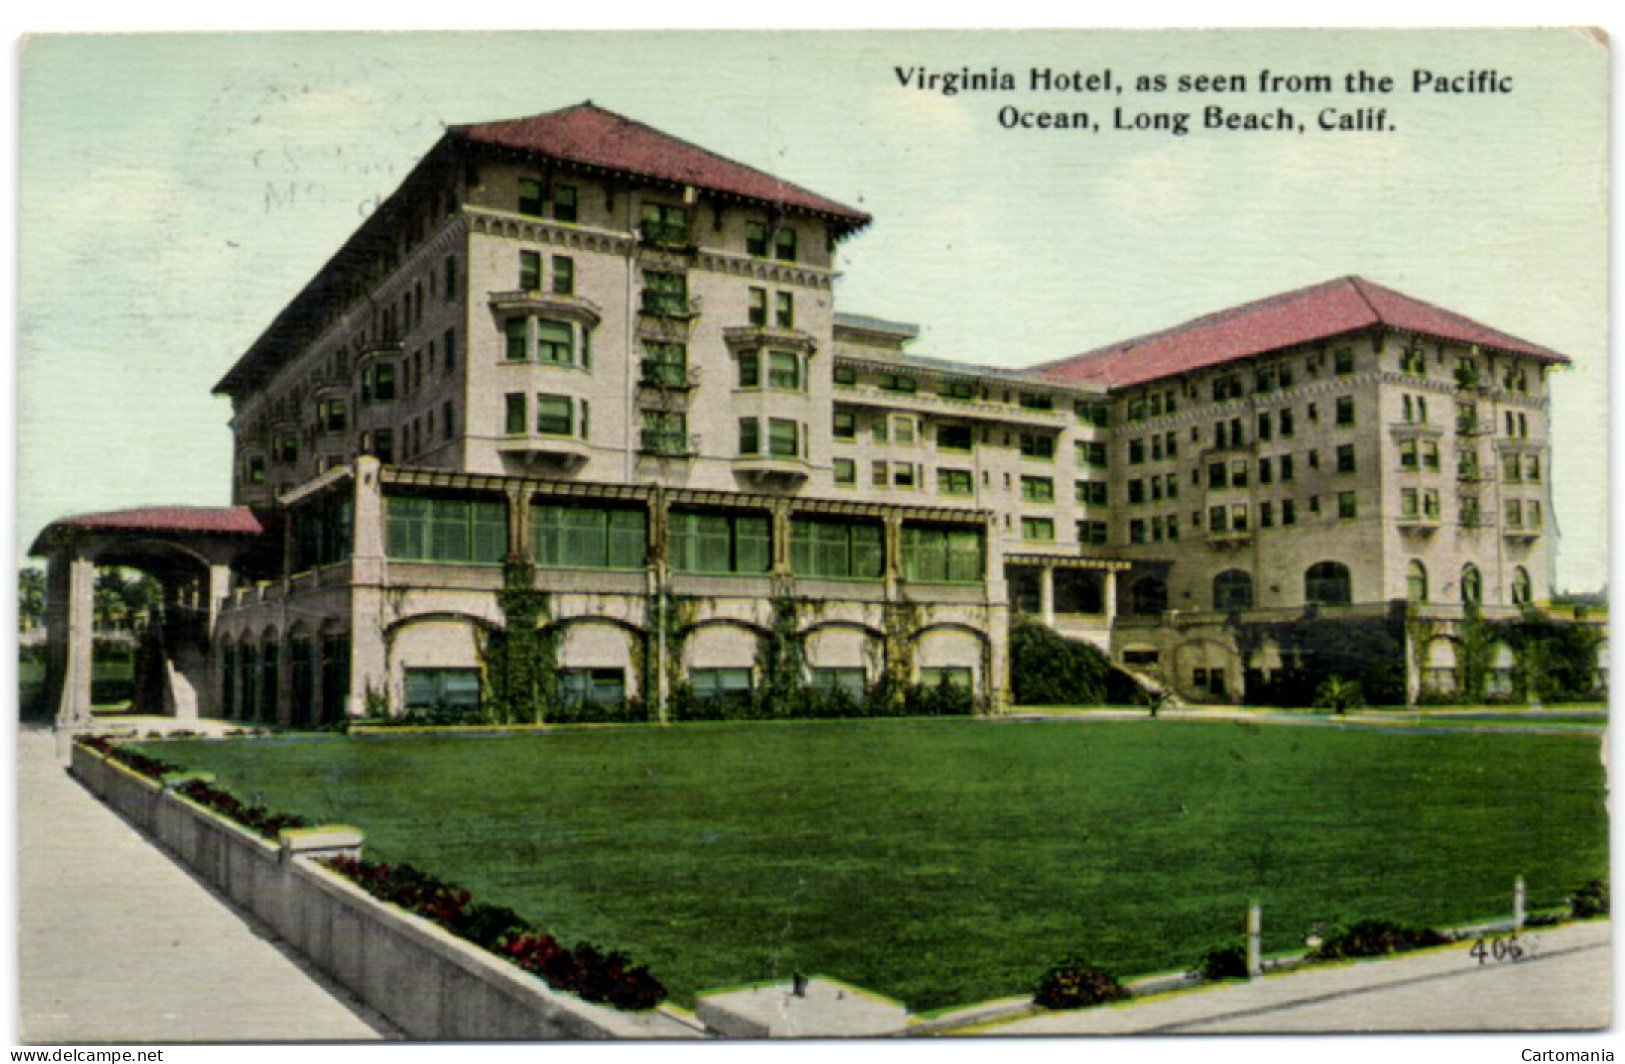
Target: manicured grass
[{"x": 948, "y": 862}]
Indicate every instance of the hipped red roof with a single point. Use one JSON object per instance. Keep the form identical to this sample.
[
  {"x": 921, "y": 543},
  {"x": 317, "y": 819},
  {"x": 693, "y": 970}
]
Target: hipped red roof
[
  {"x": 1306, "y": 315},
  {"x": 173, "y": 520},
  {"x": 588, "y": 135}
]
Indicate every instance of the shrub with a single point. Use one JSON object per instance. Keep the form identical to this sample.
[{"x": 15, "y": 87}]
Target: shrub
[
  {"x": 1076, "y": 984},
  {"x": 1375, "y": 938},
  {"x": 1047, "y": 670},
  {"x": 255, "y": 817},
  {"x": 606, "y": 978},
  {"x": 1338, "y": 694},
  {"x": 1590, "y": 900},
  {"x": 1225, "y": 962}
]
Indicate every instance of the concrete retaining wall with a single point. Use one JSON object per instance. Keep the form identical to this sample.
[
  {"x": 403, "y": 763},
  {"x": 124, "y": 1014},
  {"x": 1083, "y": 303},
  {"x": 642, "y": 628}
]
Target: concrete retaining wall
[{"x": 429, "y": 983}]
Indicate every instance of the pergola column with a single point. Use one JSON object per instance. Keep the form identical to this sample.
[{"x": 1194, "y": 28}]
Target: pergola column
[
  {"x": 1109, "y": 597},
  {"x": 72, "y": 627},
  {"x": 1046, "y": 594}
]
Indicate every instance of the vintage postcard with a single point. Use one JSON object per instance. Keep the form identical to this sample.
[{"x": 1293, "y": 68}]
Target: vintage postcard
[{"x": 753, "y": 535}]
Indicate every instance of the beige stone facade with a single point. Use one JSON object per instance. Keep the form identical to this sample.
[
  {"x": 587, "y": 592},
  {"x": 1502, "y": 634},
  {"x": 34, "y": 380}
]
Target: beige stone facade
[{"x": 642, "y": 385}]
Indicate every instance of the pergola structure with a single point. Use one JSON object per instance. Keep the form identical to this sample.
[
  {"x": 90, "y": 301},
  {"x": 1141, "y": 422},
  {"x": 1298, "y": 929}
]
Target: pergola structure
[{"x": 188, "y": 550}]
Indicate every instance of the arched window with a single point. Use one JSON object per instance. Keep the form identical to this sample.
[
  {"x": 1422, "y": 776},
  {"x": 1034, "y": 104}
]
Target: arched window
[
  {"x": 1233, "y": 590},
  {"x": 1327, "y": 584},
  {"x": 1472, "y": 585},
  {"x": 1416, "y": 582},
  {"x": 1149, "y": 595},
  {"x": 1523, "y": 592}
]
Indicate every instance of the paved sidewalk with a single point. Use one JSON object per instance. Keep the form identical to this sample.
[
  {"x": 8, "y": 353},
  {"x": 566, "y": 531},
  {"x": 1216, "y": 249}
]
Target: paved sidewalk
[
  {"x": 117, "y": 943},
  {"x": 1564, "y": 983}
]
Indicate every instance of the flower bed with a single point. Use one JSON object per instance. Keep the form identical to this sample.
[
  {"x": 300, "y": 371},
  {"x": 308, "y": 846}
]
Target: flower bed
[
  {"x": 605, "y": 978},
  {"x": 254, "y": 817}
]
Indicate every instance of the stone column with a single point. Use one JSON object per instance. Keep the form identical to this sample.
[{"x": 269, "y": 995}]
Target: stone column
[
  {"x": 1046, "y": 595},
  {"x": 781, "y": 538},
  {"x": 519, "y": 542},
  {"x": 73, "y": 628},
  {"x": 369, "y": 664},
  {"x": 894, "y": 555},
  {"x": 1108, "y": 598}
]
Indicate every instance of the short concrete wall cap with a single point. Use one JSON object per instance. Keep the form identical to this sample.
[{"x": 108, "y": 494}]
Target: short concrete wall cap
[{"x": 825, "y": 1008}]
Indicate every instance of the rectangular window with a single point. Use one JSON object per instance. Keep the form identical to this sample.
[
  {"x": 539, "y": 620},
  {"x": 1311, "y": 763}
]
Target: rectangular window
[
  {"x": 750, "y": 436},
  {"x": 1345, "y": 410},
  {"x": 1091, "y": 454},
  {"x": 783, "y": 438},
  {"x": 1038, "y": 529},
  {"x": 664, "y": 224},
  {"x": 756, "y": 239},
  {"x": 1137, "y": 531},
  {"x": 564, "y": 203},
  {"x": 384, "y": 383},
  {"x": 1090, "y": 492},
  {"x": 1216, "y": 476},
  {"x": 1289, "y": 512},
  {"x": 1036, "y": 401},
  {"x": 784, "y": 371},
  {"x": 1345, "y": 458},
  {"x": 1343, "y": 361},
  {"x": 457, "y": 690},
  {"x": 1238, "y": 473},
  {"x": 555, "y": 415},
  {"x": 953, "y": 482},
  {"x": 1532, "y": 513},
  {"x": 1136, "y": 492},
  {"x": 720, "y": 684},
  {"x": 904, "y": 475},
  {"x": 844, "y": 425},
  {"x": 1265, "y": 426},
  {"x": 1531, "y": 468},
  {"x": 1266, "y": 515},
  {"x": 1034, "y": 445},
  {"x": 592, "y": 687},
  {"x": 1092, "y": 413},
  {"x": 1266, "y": 471},
  {"x": 449, "y": 345},
  {"x": 1286, "y": 423},
  {"x": 564, "y": 275},
  {"x": 555, "y": 344},
  {"x": 665, "y": 294},
  {"x": 758, "y": 306},
  {"x": 448, "y": 418},
  {"x": 837, "y": 550},
  {"x": 1409, "y": 454},
  {"x": 1218, "y": 519},
  {"x": 851, "y": 680},
  {"x": 720, "y": 543},
  {"x": 665, "y": 434},
  {"x": 446, "y": 530},
  {"x": 845, "y": 377},
  {"x": 1136, "y": 452},
  {"x": 1430, "y": 504},
  {"x": 530, "y": 198},
  {"x": 846, "y": 471},
  {"x": 1286, "y": 468},
  {"x": 750, "y": 369},
  {"x": 665, "y": 364},
  {"x": 895, "y": 382},
  {"x": 518, "y": 334},
  {"x": 784, "y": 310},
  {"x": 516, "y": 419},
  {"x": 784, "y": 244},
  {"x": 945, "y": 555},
  {"x": 1037, "y": 489},
  {"x": 383, "y": 446},
  {"x": 958, "y": 391},
  {"x": 1092, "y": 533},
  {"x": 955, "y": 437},
  {"x": 1409, "y": 502},
  {"x": 577, "y": 537},
  {"x": 530, "y": 271},
  {"x": 878, "y": 474},
  {"x": 1348, "y": 505},
  {"x": 1238, "y": 517},
  {"x": 1514, "y": 513}
]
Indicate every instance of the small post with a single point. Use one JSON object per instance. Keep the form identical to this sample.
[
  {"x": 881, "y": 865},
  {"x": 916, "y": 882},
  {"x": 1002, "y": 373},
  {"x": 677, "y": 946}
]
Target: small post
[
  {"x": 1517, "y": 907},
  {"x": 1255, "y": 937}
]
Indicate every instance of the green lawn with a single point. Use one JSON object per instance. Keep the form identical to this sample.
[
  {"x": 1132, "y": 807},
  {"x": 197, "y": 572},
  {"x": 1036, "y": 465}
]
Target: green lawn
[{"x": 948, "y": 862}]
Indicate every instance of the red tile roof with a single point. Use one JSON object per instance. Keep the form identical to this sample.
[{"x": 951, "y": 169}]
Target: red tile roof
[
  {"x": 588, "y": 135},
  {"x": 1319, "y": 312},
  {"x": 176, "y": 520}
]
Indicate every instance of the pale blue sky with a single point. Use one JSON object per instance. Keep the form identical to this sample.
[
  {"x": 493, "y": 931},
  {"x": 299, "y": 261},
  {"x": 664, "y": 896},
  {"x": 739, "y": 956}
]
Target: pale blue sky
[{"x": 177, "y": 191}]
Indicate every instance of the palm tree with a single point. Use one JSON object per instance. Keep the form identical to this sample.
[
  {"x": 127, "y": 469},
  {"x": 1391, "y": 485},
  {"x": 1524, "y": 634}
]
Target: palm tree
[{"x": 30, "y": 598}]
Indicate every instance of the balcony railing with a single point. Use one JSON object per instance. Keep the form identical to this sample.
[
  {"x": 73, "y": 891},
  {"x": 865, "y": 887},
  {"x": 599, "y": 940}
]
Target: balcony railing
[
  {"x": 668, "y": 443},
  {"x": 664, "y": 234},
  {"x": 670, "y": 304},
  {"x": 668, "y": 375}
]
